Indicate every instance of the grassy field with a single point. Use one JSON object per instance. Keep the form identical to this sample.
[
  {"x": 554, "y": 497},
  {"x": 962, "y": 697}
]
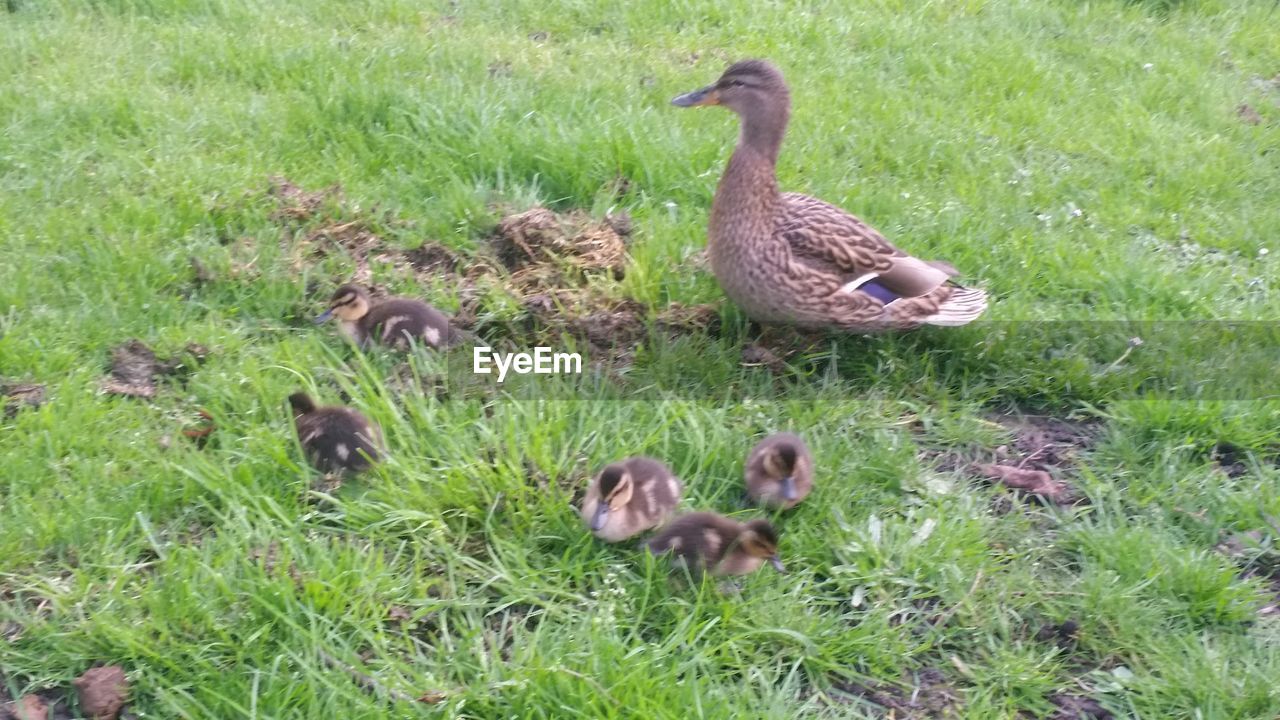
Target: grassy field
[{"x": 1091, "y": 164}]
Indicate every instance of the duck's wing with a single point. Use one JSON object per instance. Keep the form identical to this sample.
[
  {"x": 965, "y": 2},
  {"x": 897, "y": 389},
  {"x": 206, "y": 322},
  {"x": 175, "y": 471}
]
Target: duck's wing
[{"x": 822, "y": 235}]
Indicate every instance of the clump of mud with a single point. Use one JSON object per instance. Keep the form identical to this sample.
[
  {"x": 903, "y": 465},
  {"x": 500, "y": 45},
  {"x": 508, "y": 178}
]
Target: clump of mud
[
  {"x": 21, "y": 396},
  {"x": 102, "y": 691},
  {"x": 136, "y": 369}
]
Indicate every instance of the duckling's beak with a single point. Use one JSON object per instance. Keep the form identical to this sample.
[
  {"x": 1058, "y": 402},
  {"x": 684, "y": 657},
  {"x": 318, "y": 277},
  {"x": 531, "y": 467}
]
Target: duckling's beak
[
  {"x": 708, "y": 95},
  {"x": 324, "y": 316},
  {"x": 788, "y": 488},
  {"x": 602, "y": 514},
  {"x": 776, "y": 562}
]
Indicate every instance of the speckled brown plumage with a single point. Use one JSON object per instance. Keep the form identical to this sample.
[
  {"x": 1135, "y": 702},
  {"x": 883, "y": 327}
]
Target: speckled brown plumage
[
  {"x": 711, "y": 543},
  {"x": 395, "y": 322},
  {"x": 629, "y": 497},
  {"x": 793, "y": 259},
  {"x": 335, "y": 438},
  {"x": 779, "y": 471}
]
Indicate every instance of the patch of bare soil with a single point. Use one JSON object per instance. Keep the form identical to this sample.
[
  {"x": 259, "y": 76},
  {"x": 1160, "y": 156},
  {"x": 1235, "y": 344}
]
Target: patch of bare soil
[
  {"x": 354, "y": 237},
  {"x": 504, "y": 626},
  {"x": 136, "y": 369},
  {"x": 1259, "y": 559},
  {"x": 1078, "y": 707},
  {"x": 20, "y": 396},
  {"x": 1043, "y": 452},
  {"x": 1248, "y": 115},
  {"x": 1064, "y": 634},
  {"x": 680, "y": 319},
  {"x": 434, "y": 259},
  {"x": 777, "y": 345},
  {"x": 297, "y": 204},
  {"x": 927, "y": 694},
  {"x": 268, "y": 558}
]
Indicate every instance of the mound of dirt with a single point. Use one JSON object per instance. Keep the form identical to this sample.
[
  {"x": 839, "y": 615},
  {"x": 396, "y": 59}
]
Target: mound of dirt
[
  {"x": 135, "y": 368},
  {"x": 434, "y": 258},
  {"x": 20, "y": 396},
  {"x": 295, "y": 203},
  {"x": 541, "y": 236},
  {"x": 1048, "y": 443},
  {"x": 558, "y": 266},
  {"x": 103, "y": 692}
]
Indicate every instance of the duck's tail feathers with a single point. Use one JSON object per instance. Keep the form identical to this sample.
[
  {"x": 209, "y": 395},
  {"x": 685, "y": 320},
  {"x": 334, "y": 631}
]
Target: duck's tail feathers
[{"x": 963, "y": 307}]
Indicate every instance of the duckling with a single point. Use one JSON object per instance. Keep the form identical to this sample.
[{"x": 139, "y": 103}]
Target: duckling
[
  {"x": 335, "y": 438},
  {"x": 394, "y": 321},
  {"x": 792, "y": 259},
  {"x": 629, "y": 497},
  {"x": 779, "y": 471},
  {"x": 707, "y": 542}
]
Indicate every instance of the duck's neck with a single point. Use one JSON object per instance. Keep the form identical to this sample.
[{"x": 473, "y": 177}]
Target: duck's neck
[
  {"x": 763, "y": 129},
  {"x": 748, "y": 191}
]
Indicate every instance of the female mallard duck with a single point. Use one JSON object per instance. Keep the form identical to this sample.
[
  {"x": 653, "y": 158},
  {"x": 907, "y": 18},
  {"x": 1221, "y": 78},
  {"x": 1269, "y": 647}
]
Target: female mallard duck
[
  {"x": 394, "y": 321},
  {"x": 793, "y": 259},
  {"x": 711, "y": 543},
  {"x": 335, "y": 438},
  {"x": 779, "y": 471},
  {"x": 629, "y": 497}
]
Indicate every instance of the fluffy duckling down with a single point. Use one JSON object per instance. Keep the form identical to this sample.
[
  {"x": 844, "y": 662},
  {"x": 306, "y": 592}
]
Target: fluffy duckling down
[
  {"x": 395, "y": 322},
  {"x": 779, "y": 471},
  {"x": 335, "y": 438},
  {"x": 706, "y": 542},
  {"x": 630, "y": 497}
]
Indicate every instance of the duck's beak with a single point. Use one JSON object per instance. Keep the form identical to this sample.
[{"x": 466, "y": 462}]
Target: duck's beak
[
  {"x": 602, "y": 515},
  {"x": 708, "y": 95},
  {"x": 776, "y": 562},
  {"x": 788, "y": 488},
  {"x": 324, "y": 316}
]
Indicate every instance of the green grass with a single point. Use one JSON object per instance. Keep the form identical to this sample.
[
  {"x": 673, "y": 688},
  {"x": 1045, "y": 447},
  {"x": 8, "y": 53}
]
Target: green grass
[{"x": 139, "y": 133}]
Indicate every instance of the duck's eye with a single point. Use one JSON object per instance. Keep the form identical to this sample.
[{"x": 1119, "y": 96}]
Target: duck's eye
[{"x": 736, "y": 83}]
